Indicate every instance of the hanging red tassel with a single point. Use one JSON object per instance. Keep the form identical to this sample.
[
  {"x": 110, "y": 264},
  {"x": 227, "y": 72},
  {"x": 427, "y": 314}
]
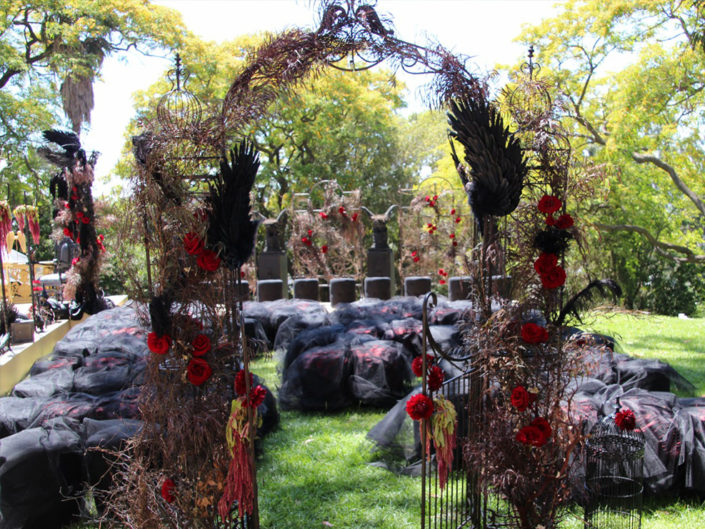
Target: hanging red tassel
[
  {"x": 19, "y": 212},
  {"x": 5, "y": 223},
  {"x": 443, "y": 426},
  {"x": 33, "y": 221},
  {"x": 238, "y": 483}
]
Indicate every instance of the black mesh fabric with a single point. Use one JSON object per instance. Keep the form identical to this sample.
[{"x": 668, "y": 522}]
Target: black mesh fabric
[
  {"x": 381, "y": 373},
  {"x": 41, "y": 479}
]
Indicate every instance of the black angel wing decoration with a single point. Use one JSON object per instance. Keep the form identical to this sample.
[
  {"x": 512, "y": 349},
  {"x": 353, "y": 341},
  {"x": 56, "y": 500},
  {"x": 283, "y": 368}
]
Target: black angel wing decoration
[
  {"x": 231, "y": 231},
  {"x": 493, "y": 154},
  {"x": 70, "y": 145}
]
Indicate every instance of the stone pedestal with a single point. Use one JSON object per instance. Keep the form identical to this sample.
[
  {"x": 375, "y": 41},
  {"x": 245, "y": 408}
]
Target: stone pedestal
[
  {"x": 380, "y": 262},
  {"x": 272, "y": 265},
  {"x": 459, "y": 287},
  {"x": 342, "y": 290},
  {"x": 306, "y": 289},
  {"x": 417, "y": 285},
  {"x": 378, "y": 287},
  {"x": 269, "y": 289}
]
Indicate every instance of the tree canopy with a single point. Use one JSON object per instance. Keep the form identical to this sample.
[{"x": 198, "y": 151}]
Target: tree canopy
[{"x": 50, "y": 53}]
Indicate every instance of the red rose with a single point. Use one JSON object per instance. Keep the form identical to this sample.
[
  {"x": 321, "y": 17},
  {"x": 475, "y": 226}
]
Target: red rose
[
  {"x": 564, "y": 222},
  {"x": 417, "y": 364},
  {"x": 520, "y": 398},
  {"x": 442, "y": 282},
  {"x": 419, "y": 407},
  {"x": 550, "y": 221},
  {"x": 67, "y": 232},
  {"x": 75, "y": 261},
  {"x": 355, "y": 216},
  {"x": 553, "y": 278},
  {"x": 201, "y": 345},
  {"x": 306, "y": 241},
  {"x": 417, "y": 259},
  {"x": 208, "y": 260},
  {"x": 310, "y": 233},
  {"x": 549, "y": 204},
  {"x": 324, "y": 248},
  {"x": 257, "y": 396},
  {"x": 532, "y": 333},
  {"x": 545, "y": 263},
  {"x": 240, "y": 388},
  {"x": 531, "y": 435},
  {"x": 198, "y": 371},
  {"x": 455, "y": 243},
  {"x": 435, "y": 378},
  {"x": 158, "y": 344},
  {"x": 427, "y": 198},
  {"x": 542, "y": 426},
  {"x": 452, "y": 235},
  {"x": 323, "y": 215},
  {"x": 85, "y": 220},
  {"x": 168, "y": 487},
  {"x": 193, "y": 244},
  {"x": 457, "y": 220},
  {"x": 341, "y": 210},
  {"x": 625, "y": 419},
  {"x": 452, "y": 211}
]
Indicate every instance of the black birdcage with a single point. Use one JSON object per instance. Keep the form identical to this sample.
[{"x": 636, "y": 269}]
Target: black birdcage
[{"x": 614, "y": 475}]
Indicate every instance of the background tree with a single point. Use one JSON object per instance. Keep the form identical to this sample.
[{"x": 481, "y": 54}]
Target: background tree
[
  {"x": 631, "y": 75},
  {"x": 50, "y": 54}
]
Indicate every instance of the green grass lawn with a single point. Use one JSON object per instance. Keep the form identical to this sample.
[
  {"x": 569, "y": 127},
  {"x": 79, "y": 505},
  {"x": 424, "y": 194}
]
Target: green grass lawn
[
  {"x": 681, "y": 343},
  {"x": 316, "y": 472}
]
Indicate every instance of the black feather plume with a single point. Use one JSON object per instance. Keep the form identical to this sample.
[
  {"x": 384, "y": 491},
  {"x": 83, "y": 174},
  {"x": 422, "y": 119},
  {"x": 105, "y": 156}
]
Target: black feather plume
[
  {"x": 552, "y": 240},
  {"x": 159, "y": 313},
  {"x": 494, "y": 155},
  {"x": 231, "y": 231},
  {"x": 70, "y": 145},
  {"x": 580, "y": 301}
]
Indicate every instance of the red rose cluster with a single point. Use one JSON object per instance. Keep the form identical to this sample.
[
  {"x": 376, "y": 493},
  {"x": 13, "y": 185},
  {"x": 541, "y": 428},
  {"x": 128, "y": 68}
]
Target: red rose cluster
[
  {"x": 625, "y": 419},
  {"x": 419, "y": 407},
  {"x": 535, "y": 434},
  {"x": 207, "y": 259},
  {"x": 415, "y": 256},
  {"x": 257, "y": 393},
  {"x": 552, "y": 275},
  {"x": 167, "y": 491},
  {"x": 443, "y": 274},
  {"x": 431, "y": 202}
]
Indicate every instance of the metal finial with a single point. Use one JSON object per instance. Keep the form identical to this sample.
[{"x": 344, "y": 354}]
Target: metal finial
[
  {"x": 531, "y": 61},
  {"x": 178, "y": 71}
]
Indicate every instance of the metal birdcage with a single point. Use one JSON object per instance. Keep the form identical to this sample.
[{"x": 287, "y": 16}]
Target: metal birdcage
[
  {"x": 179, "y": 110},
  {"x": 614, "y": 475}
]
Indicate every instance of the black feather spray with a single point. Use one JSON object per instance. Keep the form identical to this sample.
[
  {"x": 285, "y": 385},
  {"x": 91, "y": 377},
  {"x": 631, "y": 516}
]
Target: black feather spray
[
  {"x": 552, "y": 240},
  {"x": 231, "y": 231},
  {"x": 159, "y": 313},
  {"x": 494, "y": 155},
  {"x": 58, "y": 187},
  {"x": 581, "y": 301}
]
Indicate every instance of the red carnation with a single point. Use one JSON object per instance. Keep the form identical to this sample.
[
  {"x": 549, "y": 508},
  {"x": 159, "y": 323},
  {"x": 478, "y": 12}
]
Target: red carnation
[
  {"x": 240, "y": 388},
  {"x": 553, "y": 278},
  {"x": 208, "y": 260},
  {"x": 545, "y": 263},
  {"x": 625, "y": 419},
  {"x": 532, "y": 333},
  {"x": 435, "y": 378},
  {"x": 201, "y": 345},
  {"x": 158, "y": 344},
  {"x": 168, "y": 487},
  {"x": 542, "y": 426},
  {"x": 193, "y": 244},
  {"x": 198, "y": 371},
  {"x": 419, "y": 407},
  {"x": 564, "y": 222},
  {"x": 549, "y": 204},
  {"x": 257, "y": 396},
  {"x": 520, "y": 398}
]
